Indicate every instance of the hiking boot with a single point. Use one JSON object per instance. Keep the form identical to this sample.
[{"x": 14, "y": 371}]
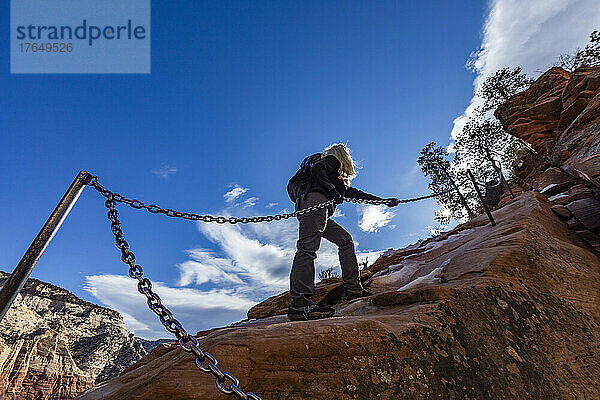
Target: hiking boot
[
  {"x": 348, "y": 295},
  {"x": 309, "y": 312}
]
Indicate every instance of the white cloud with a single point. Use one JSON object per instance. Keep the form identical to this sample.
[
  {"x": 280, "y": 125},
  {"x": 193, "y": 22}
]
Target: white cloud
[
  {"x": 164, "y": 171},
  {"x": 195, "y": 309},
  {"x": 271, "y": 205},
  {"x": 337, "y": 213},
  {"x": 249, "y": 202},
  {"x": 530, "y": 34},
  {"x": 133, "y": 325},
  {"x": 206, "y": 267},
  {"x": 234, "y": 193},
  {"x": 373, "y": 217},
  {"x": 267, "y": 263}
]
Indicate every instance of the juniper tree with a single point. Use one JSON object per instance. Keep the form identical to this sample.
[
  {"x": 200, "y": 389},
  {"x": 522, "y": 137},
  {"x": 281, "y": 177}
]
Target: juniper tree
[
  {"x": 499, "y": 87},
  {"x": 589, "y": 56},
  {"x": 434, "y": 164},
  {"x": 569, "y": 61},
  {"x": 484, "y": 147}
]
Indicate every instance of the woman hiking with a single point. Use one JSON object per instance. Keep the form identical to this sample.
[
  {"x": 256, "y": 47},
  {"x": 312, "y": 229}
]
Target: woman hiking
[{"x": 327, "y": 176}]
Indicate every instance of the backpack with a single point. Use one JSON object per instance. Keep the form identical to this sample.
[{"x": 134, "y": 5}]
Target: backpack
[{"x": 299, "y": 183}]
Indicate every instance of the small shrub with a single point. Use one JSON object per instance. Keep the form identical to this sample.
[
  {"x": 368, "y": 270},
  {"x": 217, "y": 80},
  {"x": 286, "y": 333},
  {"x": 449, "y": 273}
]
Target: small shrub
[{"x": 328, "y": 273}]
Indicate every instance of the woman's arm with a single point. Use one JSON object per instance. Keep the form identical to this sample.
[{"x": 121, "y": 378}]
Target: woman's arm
[
  {"x": 359, "y": 194},
  {"x": 354, "y": 193}
]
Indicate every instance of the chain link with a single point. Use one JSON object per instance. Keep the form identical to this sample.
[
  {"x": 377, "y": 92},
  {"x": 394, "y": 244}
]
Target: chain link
[{"x": 187, "y": 342}]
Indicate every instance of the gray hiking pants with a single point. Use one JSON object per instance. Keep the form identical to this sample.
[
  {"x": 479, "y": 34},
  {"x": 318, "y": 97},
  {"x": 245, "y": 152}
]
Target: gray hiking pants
[{"x": 313, "y": 226}]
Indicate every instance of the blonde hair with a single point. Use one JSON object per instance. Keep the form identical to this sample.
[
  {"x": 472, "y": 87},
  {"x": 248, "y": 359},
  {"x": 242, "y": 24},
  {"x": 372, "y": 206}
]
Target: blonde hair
[{"x": 342, "y": 153}]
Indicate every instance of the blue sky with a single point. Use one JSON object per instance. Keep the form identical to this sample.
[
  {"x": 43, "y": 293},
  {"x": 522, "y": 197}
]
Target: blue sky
[{"x": 239, "y": 93}]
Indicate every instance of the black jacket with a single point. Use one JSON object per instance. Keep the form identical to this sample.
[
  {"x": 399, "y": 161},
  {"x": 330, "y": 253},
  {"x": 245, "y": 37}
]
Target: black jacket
[{"x": 326, "y": 179}]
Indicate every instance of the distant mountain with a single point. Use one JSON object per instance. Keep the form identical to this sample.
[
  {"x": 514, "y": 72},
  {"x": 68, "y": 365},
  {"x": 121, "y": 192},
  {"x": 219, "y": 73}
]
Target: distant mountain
[
  {"x": 148, "y": 345},
  {"x": 54, "y": 345}
]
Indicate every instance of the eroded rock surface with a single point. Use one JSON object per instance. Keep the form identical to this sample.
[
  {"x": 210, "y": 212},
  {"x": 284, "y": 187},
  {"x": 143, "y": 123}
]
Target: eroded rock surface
[{"x": 54, "y": 345}]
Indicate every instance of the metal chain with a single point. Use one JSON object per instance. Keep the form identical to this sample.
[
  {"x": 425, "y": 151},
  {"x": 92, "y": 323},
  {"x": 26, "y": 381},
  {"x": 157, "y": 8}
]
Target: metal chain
[
  {"x": 153, "y": 208},
  {"x": 187, "y": 342},
  {"x": 400, "y": 201},
  {"x": 137, "y": 204}
]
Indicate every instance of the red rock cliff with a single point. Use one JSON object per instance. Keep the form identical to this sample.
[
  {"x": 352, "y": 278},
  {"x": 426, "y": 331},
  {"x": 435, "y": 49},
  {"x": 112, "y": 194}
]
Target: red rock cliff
[{"x": 559, "y": 115}]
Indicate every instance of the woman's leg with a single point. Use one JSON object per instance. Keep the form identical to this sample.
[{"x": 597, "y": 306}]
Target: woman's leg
[
  {"x": 343, "y": 240},
  {"x": 310, "y": 230}
]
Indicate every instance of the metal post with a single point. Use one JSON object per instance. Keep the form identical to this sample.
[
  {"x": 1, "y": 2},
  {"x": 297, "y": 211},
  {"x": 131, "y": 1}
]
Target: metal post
[
  {"x": 460, "y": 196},
  {"x": 485, "y": 207},
  {"x": 17, "y": 279},
  {"x": 464, "y": 203},
  {"x": 501, "y": 176}
]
